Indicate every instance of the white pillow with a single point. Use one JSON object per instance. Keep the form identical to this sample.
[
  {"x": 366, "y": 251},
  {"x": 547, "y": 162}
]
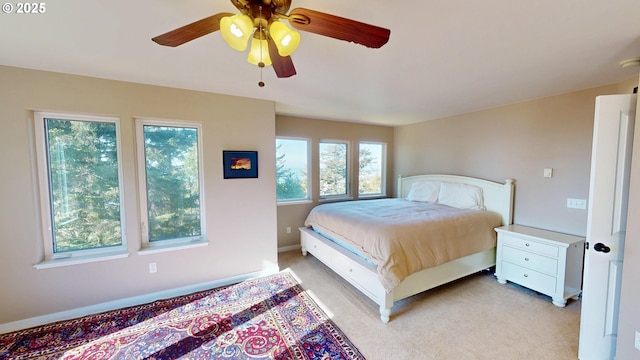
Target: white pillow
[
  {"x": 424, "y": 191},
  {"x": 462, "y": 196}
]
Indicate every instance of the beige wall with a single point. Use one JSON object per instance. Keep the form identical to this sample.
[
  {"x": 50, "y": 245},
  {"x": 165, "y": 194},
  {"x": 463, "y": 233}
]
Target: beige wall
[
  {"x": 240, "y": 214},
  {"x": 293, "y": 215},
  {"x": 629, "y": 320},
  {"x": 516, "y": 141}
]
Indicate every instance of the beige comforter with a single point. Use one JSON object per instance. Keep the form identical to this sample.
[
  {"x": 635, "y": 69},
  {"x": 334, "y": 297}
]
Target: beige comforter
[{"x": 402, "y": 237}]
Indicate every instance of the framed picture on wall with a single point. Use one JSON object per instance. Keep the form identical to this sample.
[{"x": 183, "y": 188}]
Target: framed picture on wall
[{"x": 240, "y": 164}]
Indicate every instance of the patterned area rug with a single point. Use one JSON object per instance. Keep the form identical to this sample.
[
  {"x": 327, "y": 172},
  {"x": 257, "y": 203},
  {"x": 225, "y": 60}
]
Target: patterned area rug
[{"x": 265, "y": 318}]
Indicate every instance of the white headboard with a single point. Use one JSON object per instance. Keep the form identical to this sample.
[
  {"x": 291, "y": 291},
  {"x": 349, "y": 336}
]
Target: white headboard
[{"x": 496, "y": 196}]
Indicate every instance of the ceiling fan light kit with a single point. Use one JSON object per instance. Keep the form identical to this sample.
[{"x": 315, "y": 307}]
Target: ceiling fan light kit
[
  {"x": 259, "y": 52},
  {"x": 236, "y": 30},
  {"x": 286, "y": 40},
  {"x": 273, "y": 42}
]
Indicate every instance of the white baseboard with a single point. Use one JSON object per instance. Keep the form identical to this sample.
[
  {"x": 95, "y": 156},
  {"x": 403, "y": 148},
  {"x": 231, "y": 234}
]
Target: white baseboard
[
  {"x": 132, "y": 301},
  {"x": 289, "y": 248}
]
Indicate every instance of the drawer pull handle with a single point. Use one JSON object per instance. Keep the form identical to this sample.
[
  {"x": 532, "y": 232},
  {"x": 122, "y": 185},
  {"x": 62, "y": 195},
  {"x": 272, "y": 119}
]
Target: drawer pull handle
[
  {"x": 350, "y": 270},
  {"x": 526, "y": 259},
  {"x": 527, "y": 244},
  {"x": 526, "y": 275}
]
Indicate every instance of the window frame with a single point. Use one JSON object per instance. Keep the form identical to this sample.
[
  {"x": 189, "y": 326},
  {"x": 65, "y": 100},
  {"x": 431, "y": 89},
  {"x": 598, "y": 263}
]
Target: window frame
[
  {"x": 309, "y": 197},
  {"x": 383, "y": 168},
  {"x": 347, "y": 195},
  {"x": 146, "y": 245},
  {"x": 45, "y": 196}
]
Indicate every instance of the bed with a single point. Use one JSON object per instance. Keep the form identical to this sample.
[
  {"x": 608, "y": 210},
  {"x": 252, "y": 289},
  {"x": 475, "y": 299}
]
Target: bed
[{"x": 367, "y": 269}]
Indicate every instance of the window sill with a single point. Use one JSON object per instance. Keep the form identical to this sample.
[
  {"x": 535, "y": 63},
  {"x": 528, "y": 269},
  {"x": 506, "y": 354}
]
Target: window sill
[
  {"x": 149, "y": 249},
  {"x": 335, "y": 199},
  {"x": 76, "y": 260},
  {"x": 372, "y": 196},
  {"x": 294, "y": 202}
]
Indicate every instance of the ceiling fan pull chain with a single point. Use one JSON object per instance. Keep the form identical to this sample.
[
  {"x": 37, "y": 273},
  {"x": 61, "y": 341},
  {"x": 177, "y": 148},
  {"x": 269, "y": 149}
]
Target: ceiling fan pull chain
[
  {"x": 261, "y": 83},
  {"x": 261, "y": 63}
]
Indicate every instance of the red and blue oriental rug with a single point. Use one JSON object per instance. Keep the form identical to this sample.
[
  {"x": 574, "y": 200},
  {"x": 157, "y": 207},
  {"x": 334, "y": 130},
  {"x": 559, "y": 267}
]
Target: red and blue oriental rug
[{"x": 265, "y": 318}]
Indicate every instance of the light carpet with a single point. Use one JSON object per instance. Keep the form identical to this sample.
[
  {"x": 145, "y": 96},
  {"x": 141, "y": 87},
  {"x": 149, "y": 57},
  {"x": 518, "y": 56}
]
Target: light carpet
[{"x": 471, "y": 318}]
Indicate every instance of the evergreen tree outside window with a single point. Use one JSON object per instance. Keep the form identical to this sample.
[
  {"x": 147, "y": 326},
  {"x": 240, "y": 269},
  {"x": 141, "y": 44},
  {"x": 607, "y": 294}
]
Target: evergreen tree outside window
[
  {"x": 79, "y": 177},
  {"x": 333, "y": 169},
  {"x": 292, "y": 169},
  {"x": 170, "y": 186},
  {"x": 371, "y": 162}
]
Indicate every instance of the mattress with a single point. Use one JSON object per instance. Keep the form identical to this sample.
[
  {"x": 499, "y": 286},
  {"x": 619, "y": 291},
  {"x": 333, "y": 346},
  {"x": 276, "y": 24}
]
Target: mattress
[
  {"x": 343, "y": 245},
  {"x": 402, "y": 237}
]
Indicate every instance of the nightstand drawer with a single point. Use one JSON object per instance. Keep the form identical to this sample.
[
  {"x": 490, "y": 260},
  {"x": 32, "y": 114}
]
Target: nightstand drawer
[
  {"x": 530, "y": 260},
  {"x": 527, "y": 245},
  {"x": 526, "y": 277}
]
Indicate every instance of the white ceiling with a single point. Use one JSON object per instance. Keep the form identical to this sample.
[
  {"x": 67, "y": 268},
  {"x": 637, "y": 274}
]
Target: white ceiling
[{"x": 444, "y": 57}]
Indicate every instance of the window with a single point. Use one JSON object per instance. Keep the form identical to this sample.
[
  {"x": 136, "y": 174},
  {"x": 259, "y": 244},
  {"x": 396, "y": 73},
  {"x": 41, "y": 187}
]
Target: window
[
  {"x": 333, "y": 169},
  {"x": 79, "y": 178},
  {"x": 371, "y": 164},
  {"x": 292, "y": 169},
  {"x": 169, "y": 164}
]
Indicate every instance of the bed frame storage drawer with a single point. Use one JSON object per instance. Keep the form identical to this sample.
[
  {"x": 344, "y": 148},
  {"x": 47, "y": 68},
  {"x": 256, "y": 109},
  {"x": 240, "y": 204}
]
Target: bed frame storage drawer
[
  {"x": 358, "y": 275},
  {"x": 319, "y": 249},
  {"x": 349, "y": 266}
]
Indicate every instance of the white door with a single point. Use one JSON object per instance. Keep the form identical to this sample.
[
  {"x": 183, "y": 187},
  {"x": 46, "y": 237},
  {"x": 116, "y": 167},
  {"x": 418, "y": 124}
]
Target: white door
[{"x": 606, "y": 223}]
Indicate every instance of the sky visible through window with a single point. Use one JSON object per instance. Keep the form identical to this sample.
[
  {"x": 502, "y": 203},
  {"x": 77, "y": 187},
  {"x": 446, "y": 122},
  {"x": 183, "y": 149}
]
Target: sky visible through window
[
  {"x": 296, "y": 151},
  {"x": 376, "y": 152},
  {"x": 296, "y": 154}
]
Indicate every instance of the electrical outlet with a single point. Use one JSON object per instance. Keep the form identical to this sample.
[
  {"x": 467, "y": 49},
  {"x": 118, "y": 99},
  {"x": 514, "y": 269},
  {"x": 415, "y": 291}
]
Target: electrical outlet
[
  {"x": 577, "y": 204},
  {"x": 637, "y": 340},
  {"x": 288, "y": 229},
  {"x": 153, "y": 267}
]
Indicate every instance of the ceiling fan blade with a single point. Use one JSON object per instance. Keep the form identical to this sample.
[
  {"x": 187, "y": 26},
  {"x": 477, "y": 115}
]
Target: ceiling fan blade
[
  {"x": 282, "y": 65},
  {"x": 339, "y": 27},
  {"x": 191, "y": 31}
]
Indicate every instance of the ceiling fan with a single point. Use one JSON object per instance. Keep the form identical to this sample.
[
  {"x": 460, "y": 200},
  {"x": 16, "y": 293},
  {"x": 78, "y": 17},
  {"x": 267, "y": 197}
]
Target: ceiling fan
[{"x": 273, "y": 42}]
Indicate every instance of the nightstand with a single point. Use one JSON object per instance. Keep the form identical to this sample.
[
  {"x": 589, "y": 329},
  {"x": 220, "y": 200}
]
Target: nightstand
[{"x": 542, "y": 260}]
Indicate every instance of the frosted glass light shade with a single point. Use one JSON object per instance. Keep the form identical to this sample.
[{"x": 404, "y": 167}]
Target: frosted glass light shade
[
  {"x": 236, "y": 30},
  {"x": 286, "y": 40},
  {"x": 255, "y": 55}
]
